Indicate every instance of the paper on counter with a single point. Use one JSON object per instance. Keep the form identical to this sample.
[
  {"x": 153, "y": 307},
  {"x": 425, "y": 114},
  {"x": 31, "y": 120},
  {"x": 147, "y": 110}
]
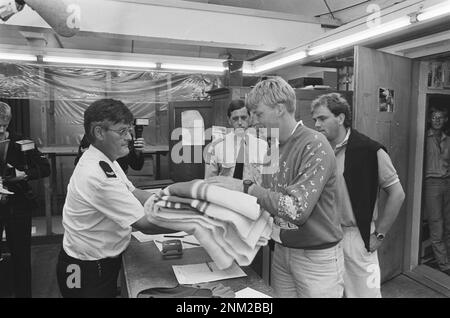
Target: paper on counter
[
  {"x": 141, "y": 237},
  {"x": 205, "y": 272},
  {"x": 250, "y": 293}
]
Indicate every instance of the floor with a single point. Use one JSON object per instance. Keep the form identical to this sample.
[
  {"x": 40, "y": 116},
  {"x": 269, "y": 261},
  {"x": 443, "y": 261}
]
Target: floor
[
  {"x": 43, "y": 262},
  {"x": 404, "y": 287},
  {"x": 44, "y": 283}
]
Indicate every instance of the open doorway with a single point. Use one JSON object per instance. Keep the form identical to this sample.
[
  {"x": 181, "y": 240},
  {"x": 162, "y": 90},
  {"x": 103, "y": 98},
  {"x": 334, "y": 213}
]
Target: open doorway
[{"x": 435, "y": 215}]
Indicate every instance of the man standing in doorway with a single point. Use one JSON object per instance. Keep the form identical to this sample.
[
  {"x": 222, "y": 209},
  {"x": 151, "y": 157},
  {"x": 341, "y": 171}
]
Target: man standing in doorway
[
  {"x": 437, "y": 188},
  {"x": 363, "y": 166}
]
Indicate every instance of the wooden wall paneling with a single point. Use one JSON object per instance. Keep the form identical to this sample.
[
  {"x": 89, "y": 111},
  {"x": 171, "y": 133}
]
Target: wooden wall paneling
[
  {"x": 415, "y": 169},
  {"x": 374, "y": 70}
]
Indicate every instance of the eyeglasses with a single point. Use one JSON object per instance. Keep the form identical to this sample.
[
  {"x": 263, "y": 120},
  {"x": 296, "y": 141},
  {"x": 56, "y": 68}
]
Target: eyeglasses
[
  {"x": 437, "y": 118},
  {"x": 123, "y": 132}
]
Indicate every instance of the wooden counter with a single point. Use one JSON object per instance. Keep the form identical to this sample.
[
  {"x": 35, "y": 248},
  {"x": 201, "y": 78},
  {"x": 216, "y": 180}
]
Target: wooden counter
[{"x": 144, "y": 267}]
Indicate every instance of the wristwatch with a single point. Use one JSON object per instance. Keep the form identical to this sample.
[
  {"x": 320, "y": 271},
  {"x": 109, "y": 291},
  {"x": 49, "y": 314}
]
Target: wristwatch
[
  {"x": 247, "y": 184},
  {"x": 379, "y": 236}
]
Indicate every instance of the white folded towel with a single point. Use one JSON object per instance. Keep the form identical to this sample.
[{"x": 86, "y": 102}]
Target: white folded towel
[
  {"x": 222, "y": 240},
  {"x": 239, "y": 202}
]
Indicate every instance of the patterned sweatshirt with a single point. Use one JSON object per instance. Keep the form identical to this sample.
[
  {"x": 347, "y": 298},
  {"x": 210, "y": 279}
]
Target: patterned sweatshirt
[{"x": 301, "y": 193}]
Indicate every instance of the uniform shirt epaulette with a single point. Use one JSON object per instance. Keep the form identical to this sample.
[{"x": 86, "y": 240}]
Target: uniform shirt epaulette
[{"x": 107, "y": 169}]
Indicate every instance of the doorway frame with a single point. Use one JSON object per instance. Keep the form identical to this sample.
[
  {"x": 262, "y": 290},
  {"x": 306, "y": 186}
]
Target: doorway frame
[{"x": 424, "y": 274}]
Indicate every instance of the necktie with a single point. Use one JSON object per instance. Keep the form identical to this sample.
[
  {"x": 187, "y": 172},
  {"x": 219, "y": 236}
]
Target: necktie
[{"x": 239, "y": 168}]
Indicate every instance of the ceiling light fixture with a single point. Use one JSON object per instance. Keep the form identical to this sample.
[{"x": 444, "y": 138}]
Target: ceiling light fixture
[
  {"x": 279, "y": 62},
  {"x": 99, "y": 62},
  {"x": 434, "y": 11},
  {"x": 187, "y": 67},
  {"x": 132, "y": 64},
  {"x": 18, "y": 57},
  {"x": 440, "y": 9},
  {"x": 360, "y": 36}
]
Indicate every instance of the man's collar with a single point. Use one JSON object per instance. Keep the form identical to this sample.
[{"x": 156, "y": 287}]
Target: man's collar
[
  {"x": 432, "y": 133},
  {"x": 344, "y": 142},
  {"x": 98, "y": 153},
  {"x": 299, "y": 123},
  {"x": 247, "y": 135}
]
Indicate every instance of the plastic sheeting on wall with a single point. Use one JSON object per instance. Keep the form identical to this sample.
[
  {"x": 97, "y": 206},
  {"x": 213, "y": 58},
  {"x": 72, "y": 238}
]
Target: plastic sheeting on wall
[
  {"x": 146, "y": 93},
  {"x": 56, "y": 83}
]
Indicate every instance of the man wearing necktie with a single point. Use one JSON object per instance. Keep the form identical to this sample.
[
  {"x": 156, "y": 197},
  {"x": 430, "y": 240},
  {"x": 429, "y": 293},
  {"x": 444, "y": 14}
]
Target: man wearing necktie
[{"x": 238, "y": 154}]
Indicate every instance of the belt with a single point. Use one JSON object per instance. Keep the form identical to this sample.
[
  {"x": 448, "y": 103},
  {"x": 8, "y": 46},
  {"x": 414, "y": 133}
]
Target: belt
[
  {"x": 69, "y": 258},
  {"x": 317, "y": 247}
]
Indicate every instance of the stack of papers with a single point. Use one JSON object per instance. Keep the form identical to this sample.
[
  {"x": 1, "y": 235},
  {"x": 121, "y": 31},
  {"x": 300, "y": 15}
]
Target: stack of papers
[
  {"x": 205, "y": 272},
  {"x": 250, "y": 293}
]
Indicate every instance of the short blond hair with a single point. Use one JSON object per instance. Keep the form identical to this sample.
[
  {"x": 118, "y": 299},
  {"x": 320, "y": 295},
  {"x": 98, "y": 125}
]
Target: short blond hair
[
  {"x": 272, "y": 91},
  {"x": 5, "y": 112}
]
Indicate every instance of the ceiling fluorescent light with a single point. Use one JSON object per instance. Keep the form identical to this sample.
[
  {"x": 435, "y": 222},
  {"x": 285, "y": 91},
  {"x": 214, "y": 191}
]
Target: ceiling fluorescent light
[
  {"x": 363, "y": 35},
  {"x": 18, "y": 57},
  {"x": 277, "y": 63},
  {"x": 434, "y": 11},
  {"x": 100, "y": 62},
  {"x": 248, "y": 68},
  {"x": 186, "y": 67}
]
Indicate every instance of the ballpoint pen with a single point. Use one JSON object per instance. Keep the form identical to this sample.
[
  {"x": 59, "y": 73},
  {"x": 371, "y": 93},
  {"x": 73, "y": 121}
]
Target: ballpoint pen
[
  {"x": 209, "y": 266},
  {"x": 175, "y": 236},
  {"x": 195, "y": 244}
]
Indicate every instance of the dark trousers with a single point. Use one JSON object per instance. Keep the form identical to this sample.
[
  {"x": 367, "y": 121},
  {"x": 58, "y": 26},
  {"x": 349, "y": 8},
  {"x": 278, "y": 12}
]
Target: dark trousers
[
  {"x": 17, "y": 225},
  {"x": 87, "y": 279}
]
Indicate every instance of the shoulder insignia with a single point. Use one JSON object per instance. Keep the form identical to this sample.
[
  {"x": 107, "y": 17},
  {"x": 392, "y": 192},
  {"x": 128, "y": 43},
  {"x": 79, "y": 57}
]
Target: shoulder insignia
[{"x": 107, "y": 169}]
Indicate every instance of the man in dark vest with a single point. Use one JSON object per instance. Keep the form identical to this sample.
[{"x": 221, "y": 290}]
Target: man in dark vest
[{"x": 363, "y": 167}]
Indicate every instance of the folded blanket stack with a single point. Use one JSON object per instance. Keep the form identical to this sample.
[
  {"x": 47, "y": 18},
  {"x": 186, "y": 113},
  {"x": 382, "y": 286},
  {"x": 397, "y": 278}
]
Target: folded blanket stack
[{"x": 228, "y": 224}]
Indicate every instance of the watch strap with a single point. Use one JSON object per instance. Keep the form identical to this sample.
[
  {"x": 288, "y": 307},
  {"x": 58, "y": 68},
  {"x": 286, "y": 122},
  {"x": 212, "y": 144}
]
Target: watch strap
[{"x": 247, "y": 184}]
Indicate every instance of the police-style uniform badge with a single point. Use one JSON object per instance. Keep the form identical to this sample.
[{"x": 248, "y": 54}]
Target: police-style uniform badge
[{"x": 107, "y": 169}]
